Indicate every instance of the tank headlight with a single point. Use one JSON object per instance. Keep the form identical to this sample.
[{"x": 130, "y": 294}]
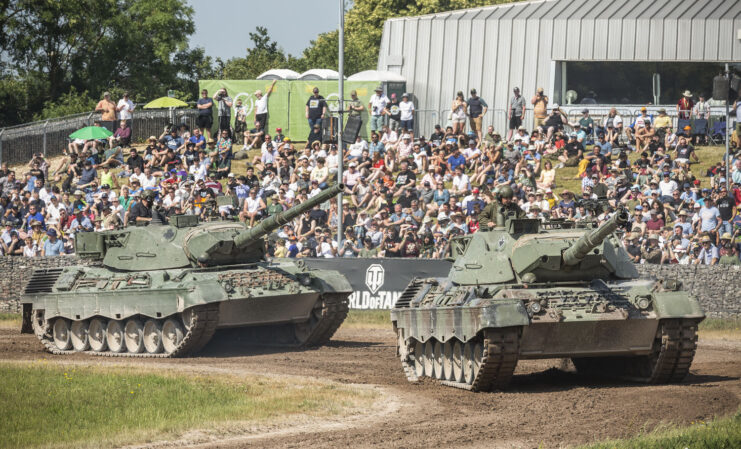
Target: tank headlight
[
  {"x": 535, "y": 307},
  {"x": 643, "y": 303},
  {"x": 304, "y": 279}
]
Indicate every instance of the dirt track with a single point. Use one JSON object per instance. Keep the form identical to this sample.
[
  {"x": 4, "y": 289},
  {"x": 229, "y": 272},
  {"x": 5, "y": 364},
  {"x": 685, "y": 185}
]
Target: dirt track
[{"x": 547, "y": 403}]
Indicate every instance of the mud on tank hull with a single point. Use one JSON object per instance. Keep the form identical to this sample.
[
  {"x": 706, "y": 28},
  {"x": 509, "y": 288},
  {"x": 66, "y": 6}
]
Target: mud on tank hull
[
  {"x": 472, "y": 337},
  {"x": 174, "y": 313}
]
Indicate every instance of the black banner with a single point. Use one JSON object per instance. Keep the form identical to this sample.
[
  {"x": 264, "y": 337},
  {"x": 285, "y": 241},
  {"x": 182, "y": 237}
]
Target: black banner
[{"x": 378, "y": 283}]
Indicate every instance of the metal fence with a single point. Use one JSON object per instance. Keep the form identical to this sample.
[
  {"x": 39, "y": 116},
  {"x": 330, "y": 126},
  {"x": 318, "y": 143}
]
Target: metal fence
[{"x": 51, "y": 137}]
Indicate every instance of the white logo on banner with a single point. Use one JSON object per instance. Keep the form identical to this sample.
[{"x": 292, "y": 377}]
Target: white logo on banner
[
  {"x": 374, "y": 277},
  {"x": 247, "y": 101}
]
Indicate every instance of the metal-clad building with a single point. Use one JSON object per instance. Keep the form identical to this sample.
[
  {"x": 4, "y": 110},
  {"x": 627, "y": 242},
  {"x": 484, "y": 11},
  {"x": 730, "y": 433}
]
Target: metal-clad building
[{"x": 530, "y": 44}]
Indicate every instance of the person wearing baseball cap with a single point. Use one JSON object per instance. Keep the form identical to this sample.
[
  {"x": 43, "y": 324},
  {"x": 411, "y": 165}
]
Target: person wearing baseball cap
[
  {"x": 52, "y": 246},
  {"x": 316, "y": 109},
  {"x": 354, "y": 106},
  {"x": 406, "y": 107}
]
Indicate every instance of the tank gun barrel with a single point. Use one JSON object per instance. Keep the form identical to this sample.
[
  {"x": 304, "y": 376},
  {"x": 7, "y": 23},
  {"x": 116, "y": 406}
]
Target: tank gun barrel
[
  {"x": 272, "y": 223},
  {"x": 591, "y": 240}
]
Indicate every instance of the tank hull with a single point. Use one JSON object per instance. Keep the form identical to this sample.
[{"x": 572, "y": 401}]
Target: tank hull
[
  {"x": 61, "y": 305},
  {"x": 584, "y": 321}
]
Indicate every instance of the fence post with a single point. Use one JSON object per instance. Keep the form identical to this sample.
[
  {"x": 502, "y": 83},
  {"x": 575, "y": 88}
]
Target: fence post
[
  {"x": 89, "y": 119},
  {"x": 1, "y": 145},
  {"x": 46, "y": 123}
]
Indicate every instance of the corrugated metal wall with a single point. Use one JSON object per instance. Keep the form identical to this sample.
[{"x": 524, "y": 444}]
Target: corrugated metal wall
[{"x": 496, "y": 48}]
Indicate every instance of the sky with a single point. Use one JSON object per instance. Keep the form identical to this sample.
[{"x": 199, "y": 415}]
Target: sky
[{"x": 223, "y": 26}]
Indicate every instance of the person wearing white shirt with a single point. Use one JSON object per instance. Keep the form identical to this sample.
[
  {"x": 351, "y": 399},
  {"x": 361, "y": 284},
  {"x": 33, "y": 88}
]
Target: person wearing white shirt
[
  {"x": 356, "y": 149},
  {"x": 125, "y": 107},
  {"x": 377, "y": 105},
  {"x": 667, "y": 187},
  {"x": 389, "y": 137},
  {"x": 261, "y": 106},
  {"x": 461, "y": 183},
  {"x": 702, "y": 109},
  {"x": 148, "y": 181},
  {"x": 407, "y": 113}
]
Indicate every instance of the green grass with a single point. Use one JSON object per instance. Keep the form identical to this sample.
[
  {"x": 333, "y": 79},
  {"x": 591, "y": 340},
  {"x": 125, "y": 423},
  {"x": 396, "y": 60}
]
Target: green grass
[
  {"x": 70, "y": 406},
  {"x": 368, "y": 319},
  {"x": 724, "y": 433},
  {"x": 10, "y": 320},
  {"x": 720, "y": 324}
]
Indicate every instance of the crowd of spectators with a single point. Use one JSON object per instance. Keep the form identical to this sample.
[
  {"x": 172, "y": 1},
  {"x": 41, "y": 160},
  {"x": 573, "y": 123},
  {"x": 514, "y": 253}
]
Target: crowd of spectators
[{"x": 406, "y": 195}]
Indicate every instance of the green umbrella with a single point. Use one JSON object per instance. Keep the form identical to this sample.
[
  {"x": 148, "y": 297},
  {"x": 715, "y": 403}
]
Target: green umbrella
[
  {"x": 91, "y": 132},
  {"x": 164, "y": 103}
]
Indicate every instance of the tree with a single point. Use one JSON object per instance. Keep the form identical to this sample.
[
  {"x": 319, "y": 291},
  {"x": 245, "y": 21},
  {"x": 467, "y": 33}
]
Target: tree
[
  {"x": 97, "y": 45},
  {"x": 264, "y": 54}
]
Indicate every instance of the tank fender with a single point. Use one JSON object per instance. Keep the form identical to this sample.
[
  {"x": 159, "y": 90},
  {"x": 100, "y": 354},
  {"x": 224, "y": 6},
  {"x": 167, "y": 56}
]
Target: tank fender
[
  {"x": 462, "y": 323},
  {"x": 331, "y": 281},
  {"x": 676, "y": 305}
]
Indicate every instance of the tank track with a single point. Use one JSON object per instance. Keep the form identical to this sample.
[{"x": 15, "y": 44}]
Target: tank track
[
  {"x": 333, "y": 312},
  {"x": 674, "y": 350},
  {"x": 203, "y": 322},
  {"x": 493, "y": 358}
]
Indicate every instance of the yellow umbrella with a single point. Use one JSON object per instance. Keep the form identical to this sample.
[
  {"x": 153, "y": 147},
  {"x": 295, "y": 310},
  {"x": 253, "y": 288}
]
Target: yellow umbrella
[{"x": 164, "y": 103}]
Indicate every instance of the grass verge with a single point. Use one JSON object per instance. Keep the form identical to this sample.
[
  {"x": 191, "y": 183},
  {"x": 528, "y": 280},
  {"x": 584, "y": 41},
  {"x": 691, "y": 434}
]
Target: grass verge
[
  {"x": 69, "y": 406},
  {"x": 720, "y": 328},
  {"x": 8, "y": 320},
  {"x": 368, "y": 319},
  {"x": 724, "y": 433}
]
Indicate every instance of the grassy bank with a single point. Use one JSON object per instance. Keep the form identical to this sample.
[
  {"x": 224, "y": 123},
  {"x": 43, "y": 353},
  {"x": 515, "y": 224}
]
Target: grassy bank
[
  {"x": 10, "y": 320},
  {"x": 368, "y": 319},
  {"x": 724, "y": 433},
  {"x": 723, "y": 328},
  {"x": 44, "y": 405}
]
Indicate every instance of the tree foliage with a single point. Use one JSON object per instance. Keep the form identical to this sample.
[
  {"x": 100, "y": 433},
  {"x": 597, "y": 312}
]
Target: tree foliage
[
  {"x": 264, "y": 54},
  {"x": 96, "y": 45}
]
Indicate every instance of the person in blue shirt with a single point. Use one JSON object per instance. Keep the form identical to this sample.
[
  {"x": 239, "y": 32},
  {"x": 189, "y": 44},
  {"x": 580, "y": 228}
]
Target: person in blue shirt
[
  {"x": 456, "y": 159},
  {"x": 375, "y": 145},
  {"x": 34, "y": 215},
  {"x": 52, "y": 245},
  {"x": 80, "y": 222}
]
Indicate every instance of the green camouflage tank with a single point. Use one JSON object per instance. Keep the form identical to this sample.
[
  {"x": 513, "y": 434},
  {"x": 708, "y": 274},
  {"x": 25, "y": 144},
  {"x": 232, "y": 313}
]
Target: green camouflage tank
[
  {"x": 532, "y": 290},
  {"x": 163, "y": 290}
]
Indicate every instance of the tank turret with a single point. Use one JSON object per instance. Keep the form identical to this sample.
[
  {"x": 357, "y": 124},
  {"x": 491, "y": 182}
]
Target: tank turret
[
  {"x": 210, "y": 248},
  {"x": 185, "y": 243},
  {"x": 591, "y": 240}
]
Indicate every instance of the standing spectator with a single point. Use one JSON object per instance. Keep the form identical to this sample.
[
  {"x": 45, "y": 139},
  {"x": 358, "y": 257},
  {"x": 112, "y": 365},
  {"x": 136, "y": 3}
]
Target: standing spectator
[
  {"x": 125, "y": 108},
  {"x": 316, "y": 108},
  {"x": 205, "y": 118},
  {"x": 225, "y": 110},
  {"x": 477, "y": 108},
  {"x": 52, "y": 246},
  {"x": 394, "y": 113},
  {"x": 407, "y": 113},
  {"x": 261, "y": 105},
  {"x": 540, "y": 107},
  {"x": 516, "y": 111},
  {"x": 702, "y": 108},
  {"x": 240, "y": 122},
  {"x": 107, "y": 108},
  {"x": 685, "y": 105},
  {"x": 726, "y": 206},
  {"x": 458, "y": 113},
  {"x": 377, "y": 106}
]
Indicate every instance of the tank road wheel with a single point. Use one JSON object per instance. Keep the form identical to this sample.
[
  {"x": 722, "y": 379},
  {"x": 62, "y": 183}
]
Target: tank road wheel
[
  {"x": 437, "y": 362},
  {"x": 153, "y": 336},
  {"x": 187, "y": 317},
  {"x": 96, "y": 335},
  {"x": 78, "y": 335},
  {"x": 419, "y": 359},
  {"x": 469, "y": 371},
  {"x": 134, "y": 336},
  {"x": 172, "y": 335},
  {"x": 114, "y": 335},
  {"x": 448, "y": 360},
  {"x": 429, "y": 358},
  {"x": 61, "y": 334},
  {"x": 457, "y": 362}
]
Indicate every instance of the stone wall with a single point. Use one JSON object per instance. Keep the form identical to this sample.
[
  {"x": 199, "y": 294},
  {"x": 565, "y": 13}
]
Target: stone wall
[
  {"x": 718, "y": 288},
  {"x": 14, "y": 273}
]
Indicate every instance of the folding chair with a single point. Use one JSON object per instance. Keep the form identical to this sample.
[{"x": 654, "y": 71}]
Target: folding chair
[
  {"x": 718, "y": 134},
  {"x": 700, "y": 129}
]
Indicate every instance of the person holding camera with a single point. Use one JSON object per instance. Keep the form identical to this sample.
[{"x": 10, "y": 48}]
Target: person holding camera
[{"x": 225, "y": 110}]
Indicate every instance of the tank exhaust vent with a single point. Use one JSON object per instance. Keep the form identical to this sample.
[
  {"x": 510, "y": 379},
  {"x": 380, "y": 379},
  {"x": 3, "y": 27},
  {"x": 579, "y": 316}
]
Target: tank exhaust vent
[{"x": 42, "y": 281}]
